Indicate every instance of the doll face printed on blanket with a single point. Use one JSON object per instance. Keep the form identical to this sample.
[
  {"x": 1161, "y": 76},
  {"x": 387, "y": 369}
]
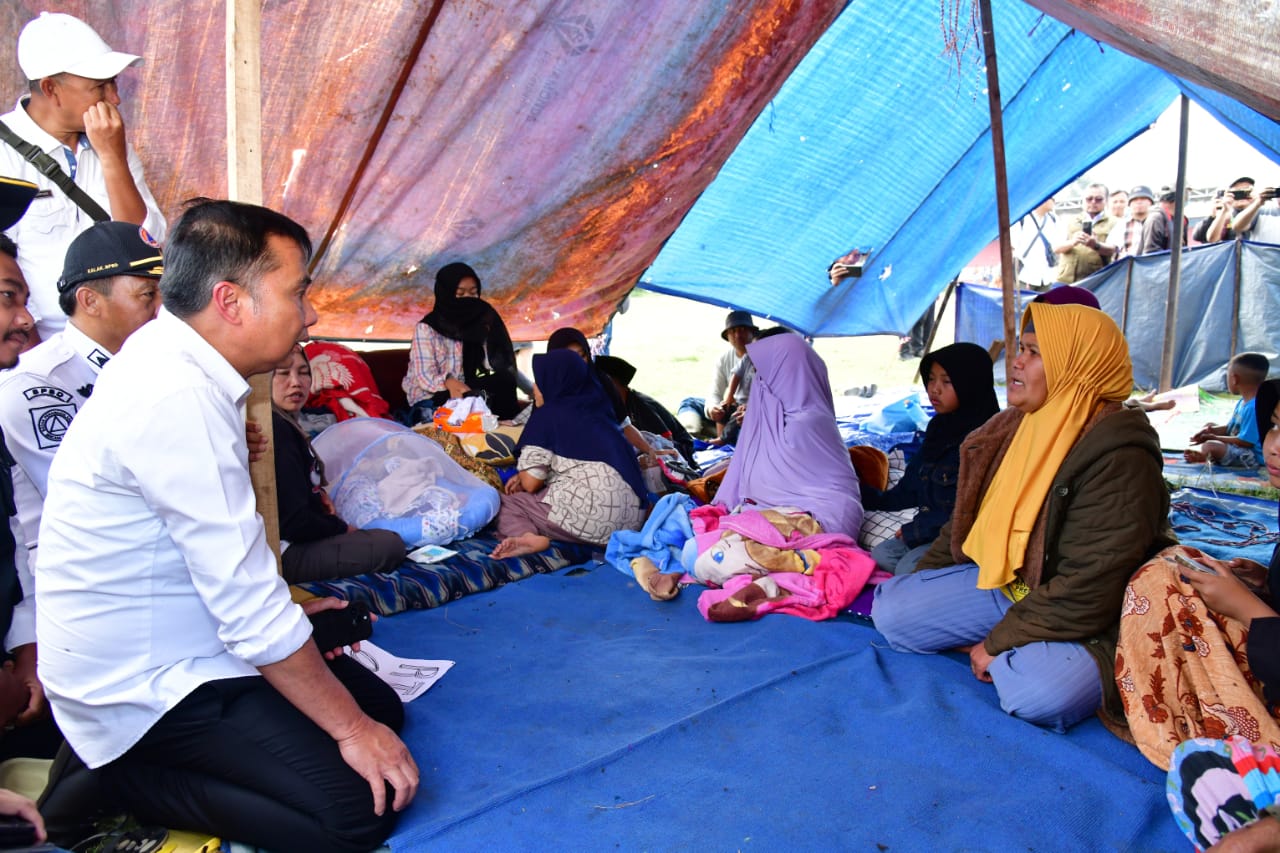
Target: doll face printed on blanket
[
  {"x": 291, "y": 382},
  {"x": 725, "y": 553}
]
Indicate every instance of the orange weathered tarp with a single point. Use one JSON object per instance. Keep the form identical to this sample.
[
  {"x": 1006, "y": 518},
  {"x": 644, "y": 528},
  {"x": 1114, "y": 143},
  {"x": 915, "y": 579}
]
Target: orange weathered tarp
[{"x": 554, "y": 146}]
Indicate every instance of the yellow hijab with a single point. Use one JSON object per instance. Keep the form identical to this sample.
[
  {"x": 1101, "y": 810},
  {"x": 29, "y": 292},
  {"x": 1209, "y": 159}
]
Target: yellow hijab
[{"x": 1086, "y": 361}]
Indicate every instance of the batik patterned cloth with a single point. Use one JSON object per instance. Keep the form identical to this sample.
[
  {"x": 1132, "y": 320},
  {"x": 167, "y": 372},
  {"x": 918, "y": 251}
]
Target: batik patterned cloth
[{"x": 1183, "y": 670}]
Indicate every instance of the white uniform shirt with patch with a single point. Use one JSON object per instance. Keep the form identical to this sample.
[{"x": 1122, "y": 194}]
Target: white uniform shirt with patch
[
  {"x": 54, "y": 220},
  {"x": 154, "y": 575},
  {"x": 38, "y": 400}
]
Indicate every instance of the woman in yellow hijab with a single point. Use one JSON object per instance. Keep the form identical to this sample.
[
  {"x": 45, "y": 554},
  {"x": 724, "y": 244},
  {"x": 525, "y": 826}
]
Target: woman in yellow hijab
[{"x": 1060, "y": 499}]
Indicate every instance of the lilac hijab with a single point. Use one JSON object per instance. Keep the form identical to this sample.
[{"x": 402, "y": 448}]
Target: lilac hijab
[{"x": 790, "y": 452}]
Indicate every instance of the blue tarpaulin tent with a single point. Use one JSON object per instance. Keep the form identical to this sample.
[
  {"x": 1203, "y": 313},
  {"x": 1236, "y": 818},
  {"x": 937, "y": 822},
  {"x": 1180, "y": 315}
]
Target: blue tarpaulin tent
[{"x": 880, "y": 141}]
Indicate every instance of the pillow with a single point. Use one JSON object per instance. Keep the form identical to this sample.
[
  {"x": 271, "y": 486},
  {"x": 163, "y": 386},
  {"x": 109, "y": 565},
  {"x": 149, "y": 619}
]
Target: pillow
[{"x": 878, "y": 524}]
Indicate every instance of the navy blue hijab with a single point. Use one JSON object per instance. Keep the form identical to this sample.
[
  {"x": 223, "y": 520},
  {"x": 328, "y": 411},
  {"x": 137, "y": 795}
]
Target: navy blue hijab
[
  {"x": 575, "y": 420},
  {"x": 1264, "y": 406}
]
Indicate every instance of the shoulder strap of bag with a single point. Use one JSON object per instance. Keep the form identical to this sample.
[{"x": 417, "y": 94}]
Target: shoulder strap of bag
[{"x": 49, "y": 167}]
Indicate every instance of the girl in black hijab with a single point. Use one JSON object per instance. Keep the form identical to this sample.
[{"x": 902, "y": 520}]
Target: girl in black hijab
[
  {"x": 461, "y": 348},
  {"x": 961, "y": 388}
]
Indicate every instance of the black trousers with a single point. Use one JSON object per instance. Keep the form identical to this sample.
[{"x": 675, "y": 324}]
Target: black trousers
[
  {"x": 342, "y": 556},
  {"x": 237, "y": 760}
]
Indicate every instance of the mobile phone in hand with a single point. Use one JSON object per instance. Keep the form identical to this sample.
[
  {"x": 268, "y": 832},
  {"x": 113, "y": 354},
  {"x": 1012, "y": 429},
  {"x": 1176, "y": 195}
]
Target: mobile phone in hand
[
  {"x": 333, "y": 629},
  {"x": 1193, "y": 565},
  {"x": 17, "y": 832},
  {"x": 1087, "y": 227}
]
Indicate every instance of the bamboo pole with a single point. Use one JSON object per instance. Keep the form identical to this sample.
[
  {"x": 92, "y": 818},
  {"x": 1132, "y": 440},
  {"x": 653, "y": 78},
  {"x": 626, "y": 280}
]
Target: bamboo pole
[
  {"x": 1175, "y": 254},
  {"x": 1008, "y": 281},
  {"x": 244, "y": 183}
]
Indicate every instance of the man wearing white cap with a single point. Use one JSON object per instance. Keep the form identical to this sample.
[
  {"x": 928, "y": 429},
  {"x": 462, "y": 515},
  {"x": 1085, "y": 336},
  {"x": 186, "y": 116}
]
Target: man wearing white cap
[{"x": 70, "y": 120}]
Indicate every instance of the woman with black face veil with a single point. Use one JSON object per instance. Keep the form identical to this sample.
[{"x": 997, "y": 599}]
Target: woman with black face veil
[{"x": 461, "y": 348}]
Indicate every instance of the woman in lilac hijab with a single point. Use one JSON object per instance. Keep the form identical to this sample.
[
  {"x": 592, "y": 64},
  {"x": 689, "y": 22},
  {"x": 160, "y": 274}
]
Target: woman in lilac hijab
[{"x": 790, "y": 453}]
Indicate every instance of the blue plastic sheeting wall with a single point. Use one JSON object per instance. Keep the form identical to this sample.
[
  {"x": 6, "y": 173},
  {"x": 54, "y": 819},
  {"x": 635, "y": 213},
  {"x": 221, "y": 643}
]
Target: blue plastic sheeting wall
[
  {"x": 1227, "y": 303},
  {"x": 980, "y": 313},
  {"x": 880, "y": 142}
]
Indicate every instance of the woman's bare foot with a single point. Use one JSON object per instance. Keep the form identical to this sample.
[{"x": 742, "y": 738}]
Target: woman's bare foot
[{"x": 518, "y": 546}]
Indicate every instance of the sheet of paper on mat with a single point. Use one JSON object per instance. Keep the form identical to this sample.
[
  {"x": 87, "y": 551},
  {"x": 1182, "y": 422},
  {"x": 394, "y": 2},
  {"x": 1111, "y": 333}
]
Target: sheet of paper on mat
[{"x": 410, "y": 677}]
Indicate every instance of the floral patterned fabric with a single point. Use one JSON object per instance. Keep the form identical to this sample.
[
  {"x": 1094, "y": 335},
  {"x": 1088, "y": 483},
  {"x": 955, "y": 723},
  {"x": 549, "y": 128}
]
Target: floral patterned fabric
[{"x": 1183, "y": 670}]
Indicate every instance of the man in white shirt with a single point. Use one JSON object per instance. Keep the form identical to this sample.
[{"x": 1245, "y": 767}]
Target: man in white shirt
[
  {"x": 1033, "y": 240},
  {"x": 174, "y": 660},
  {"x": 71, "y": 114},
  {"x": 108, "y": 290},
  {"x": 739, "y": 330}
]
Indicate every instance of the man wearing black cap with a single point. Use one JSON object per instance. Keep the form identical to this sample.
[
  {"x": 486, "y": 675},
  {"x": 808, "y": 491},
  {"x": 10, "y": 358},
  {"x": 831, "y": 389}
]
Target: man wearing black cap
[
  {"x": 70, "y": 119},
  {"x": 1217, "y": 226},
  {"x": 1258, "y": 222},
  {"x": 1158, "y": 234},
  {"x": 739, "y": 330},
  {"x": 108, "y": 290}
]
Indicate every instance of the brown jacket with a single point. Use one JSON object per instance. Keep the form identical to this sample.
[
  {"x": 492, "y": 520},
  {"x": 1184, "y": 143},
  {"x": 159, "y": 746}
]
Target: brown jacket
[{"x": 1106, "y": 513}]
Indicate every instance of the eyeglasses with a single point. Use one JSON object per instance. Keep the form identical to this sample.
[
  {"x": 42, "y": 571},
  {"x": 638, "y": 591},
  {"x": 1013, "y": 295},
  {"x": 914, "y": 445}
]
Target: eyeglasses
[{"x": 1095, "y": 198}]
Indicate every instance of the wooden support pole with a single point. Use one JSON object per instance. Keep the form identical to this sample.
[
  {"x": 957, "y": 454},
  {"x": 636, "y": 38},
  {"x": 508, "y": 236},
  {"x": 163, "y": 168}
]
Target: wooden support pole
[
  {"x": 1175, "y": 254},
  {"x": 244, "y": 183},
  {"x": 1008, "y": 280}
]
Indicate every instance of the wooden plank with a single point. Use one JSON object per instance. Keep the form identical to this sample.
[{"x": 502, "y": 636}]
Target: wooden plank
[
  {"x": 1008, "y": 281},
  {"x": 244, "y": 183},
  {"x": 1175, "y": 255}
]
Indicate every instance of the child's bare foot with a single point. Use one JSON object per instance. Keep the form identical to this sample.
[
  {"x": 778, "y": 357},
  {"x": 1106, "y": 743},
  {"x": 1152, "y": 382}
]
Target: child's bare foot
[
  {"x": 1195, "y": 456},
  {"x": 518, "y": 546},
  {"x": 660, "y": 586}
]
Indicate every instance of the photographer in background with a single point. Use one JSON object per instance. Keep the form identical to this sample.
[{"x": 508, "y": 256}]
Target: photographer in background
[
  {"x": 1258, "y": 222},
  {"x": 1229, "y": 202},
  {"x": 1084, "y": 249}
]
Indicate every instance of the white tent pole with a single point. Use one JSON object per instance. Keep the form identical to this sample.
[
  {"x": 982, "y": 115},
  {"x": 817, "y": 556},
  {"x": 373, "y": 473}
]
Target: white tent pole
[
  {"x": 1007, "y": 279},
  {"x": 1175, "y": 254},
  {"x": 244, "y": 183}
]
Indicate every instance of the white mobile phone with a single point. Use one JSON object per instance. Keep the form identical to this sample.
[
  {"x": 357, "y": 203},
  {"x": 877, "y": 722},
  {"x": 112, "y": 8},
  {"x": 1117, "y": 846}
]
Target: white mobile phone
[{"x": 1194, "y": 565}]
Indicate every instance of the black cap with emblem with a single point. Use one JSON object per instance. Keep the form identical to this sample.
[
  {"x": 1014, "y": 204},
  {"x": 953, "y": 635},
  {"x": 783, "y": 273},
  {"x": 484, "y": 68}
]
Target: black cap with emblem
[{"x": 109, "y": 249}]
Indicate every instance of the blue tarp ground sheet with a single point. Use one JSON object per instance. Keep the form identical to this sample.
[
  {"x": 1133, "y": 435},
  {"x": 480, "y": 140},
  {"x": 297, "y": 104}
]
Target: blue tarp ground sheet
[{"x": 581, "y": 715}]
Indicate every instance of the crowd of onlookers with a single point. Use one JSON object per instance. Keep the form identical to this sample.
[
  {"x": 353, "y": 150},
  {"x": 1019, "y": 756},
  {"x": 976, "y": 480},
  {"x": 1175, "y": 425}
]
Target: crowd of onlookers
[{"x": 1051, "y": 248}]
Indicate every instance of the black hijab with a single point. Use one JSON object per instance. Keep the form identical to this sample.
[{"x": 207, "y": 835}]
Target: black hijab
[
  {"x": 472, "y": 321},
  {"x": 969, "y": 368}
]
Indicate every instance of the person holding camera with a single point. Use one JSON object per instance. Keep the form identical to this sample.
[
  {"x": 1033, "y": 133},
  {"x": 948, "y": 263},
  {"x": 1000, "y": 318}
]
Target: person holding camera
[
  {"x": 1216, "y": 227},
  {"x": 1258, "y": 222},
  {"x": 1084, "y": 250}
]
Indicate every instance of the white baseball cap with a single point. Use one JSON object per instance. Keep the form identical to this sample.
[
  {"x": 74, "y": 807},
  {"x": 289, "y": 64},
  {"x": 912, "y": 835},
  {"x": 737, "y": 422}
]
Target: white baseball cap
[{"x": 55, "y": 43}]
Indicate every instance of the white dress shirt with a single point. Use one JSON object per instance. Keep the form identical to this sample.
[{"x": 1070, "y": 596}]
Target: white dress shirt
[
  {"x": 54, "y": 220},
  {"x": 154, "y": 574}
]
